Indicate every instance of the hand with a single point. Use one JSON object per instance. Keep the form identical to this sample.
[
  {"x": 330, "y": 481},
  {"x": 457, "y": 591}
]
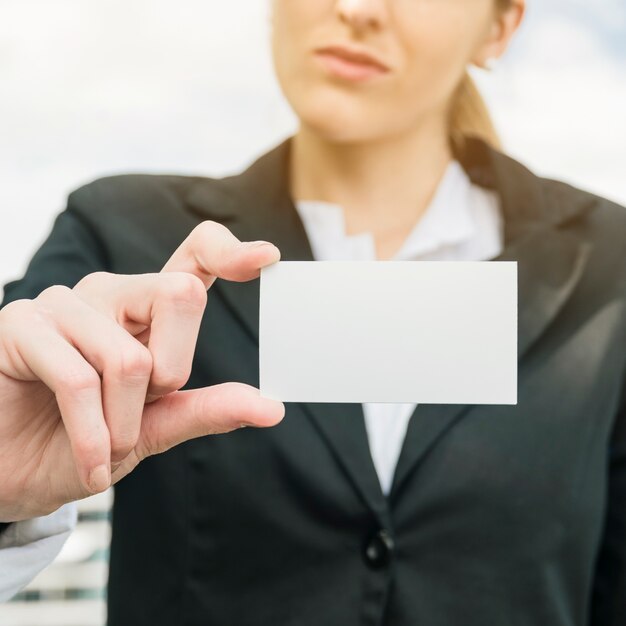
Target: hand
[{"x": 89, "y": 376}]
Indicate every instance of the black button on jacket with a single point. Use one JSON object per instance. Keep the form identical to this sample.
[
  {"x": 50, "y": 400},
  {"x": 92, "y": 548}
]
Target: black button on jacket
[{"x": 498, "y": 515}]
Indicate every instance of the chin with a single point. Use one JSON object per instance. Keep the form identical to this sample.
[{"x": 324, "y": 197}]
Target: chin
[
  {"x": 334, "y": 132},
  {"x": 337, "y": 119}
]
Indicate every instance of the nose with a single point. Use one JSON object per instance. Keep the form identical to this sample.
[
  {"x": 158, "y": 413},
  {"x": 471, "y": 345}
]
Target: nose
[{"x": 362, "y": 15}]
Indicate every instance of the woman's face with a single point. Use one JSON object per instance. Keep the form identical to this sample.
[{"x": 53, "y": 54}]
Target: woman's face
[{"x": 359, "y": 70}]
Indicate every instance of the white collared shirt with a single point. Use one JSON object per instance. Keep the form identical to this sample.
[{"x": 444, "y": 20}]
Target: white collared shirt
[{"x": 462, "y": 223}]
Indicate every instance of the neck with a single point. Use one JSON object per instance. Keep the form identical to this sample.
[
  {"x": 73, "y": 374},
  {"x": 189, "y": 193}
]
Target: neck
[{"x": 383, "y": 186}]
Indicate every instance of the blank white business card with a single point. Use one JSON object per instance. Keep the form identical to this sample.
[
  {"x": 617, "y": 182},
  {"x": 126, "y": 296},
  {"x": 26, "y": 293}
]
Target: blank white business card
[{"x": 433, "y": 332}]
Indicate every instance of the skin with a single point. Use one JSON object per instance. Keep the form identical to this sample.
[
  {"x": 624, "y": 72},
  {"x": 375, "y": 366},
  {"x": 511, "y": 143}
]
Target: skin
[{"x": 360, "y": 145}]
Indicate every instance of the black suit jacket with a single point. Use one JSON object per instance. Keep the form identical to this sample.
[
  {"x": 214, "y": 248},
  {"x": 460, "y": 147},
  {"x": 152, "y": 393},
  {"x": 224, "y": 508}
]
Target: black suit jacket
[{"x": 498, "y": 515}]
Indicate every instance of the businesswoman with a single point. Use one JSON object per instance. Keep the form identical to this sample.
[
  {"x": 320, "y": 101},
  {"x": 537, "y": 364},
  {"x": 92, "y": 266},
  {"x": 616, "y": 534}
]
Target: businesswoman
[{"x": 346, "y": 514}]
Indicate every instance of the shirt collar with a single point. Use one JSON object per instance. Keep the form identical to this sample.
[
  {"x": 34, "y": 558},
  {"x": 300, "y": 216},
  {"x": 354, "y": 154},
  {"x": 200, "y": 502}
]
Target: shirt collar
[{"x": 447, "y": 221}]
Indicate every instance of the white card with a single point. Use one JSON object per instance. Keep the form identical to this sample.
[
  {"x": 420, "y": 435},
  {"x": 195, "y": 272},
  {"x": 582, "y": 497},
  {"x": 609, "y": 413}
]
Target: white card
[{"x": 433, "y": 332}]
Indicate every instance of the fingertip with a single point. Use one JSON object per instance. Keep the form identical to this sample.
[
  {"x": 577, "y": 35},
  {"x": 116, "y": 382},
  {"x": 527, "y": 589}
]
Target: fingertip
[
  {"x": 277, "y": 255},
  {"x": 263, "y": 412},
  {"x": 248, "y": 260},
  {"x": 273, "y": 412},
  {"x": 281, "y": 409},
  {"x": 99, "y": 479},
  {"x": 271, "y": 254}
]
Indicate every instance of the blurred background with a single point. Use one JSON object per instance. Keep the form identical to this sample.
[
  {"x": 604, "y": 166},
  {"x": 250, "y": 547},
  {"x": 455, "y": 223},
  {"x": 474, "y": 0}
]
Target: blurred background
[{"x": 96, "y": 87}]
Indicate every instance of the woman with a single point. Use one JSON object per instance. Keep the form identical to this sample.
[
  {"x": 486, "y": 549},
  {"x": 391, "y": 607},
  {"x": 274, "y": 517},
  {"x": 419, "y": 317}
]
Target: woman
[{"x": 345, "y": 514}]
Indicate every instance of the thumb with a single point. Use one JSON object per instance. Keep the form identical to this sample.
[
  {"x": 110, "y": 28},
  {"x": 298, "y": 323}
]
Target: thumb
[{"x": 185, "y": 415}]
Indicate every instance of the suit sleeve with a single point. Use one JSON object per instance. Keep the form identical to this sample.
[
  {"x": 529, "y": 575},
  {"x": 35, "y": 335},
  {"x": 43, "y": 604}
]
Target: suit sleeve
[
  {"x": 71, "y": 251},
  {"x": 609, "y": 597}
]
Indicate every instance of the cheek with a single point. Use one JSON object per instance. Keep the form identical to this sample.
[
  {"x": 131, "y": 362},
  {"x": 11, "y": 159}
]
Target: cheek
[
  {"x": 437, "y": 48},
  {"x": 298, "y": 26},
  {"x": 295, "y": 24}
]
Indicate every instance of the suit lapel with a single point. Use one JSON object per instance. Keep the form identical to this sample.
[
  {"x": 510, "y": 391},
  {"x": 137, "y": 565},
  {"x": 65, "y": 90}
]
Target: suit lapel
[
  {"x": 253, "y": 205},
  {"x": 550, "y": 263},
  {"x": 257, "y": 205},
  {"x": 549, "y": 267},
  {"x": 342, "y": 426}
]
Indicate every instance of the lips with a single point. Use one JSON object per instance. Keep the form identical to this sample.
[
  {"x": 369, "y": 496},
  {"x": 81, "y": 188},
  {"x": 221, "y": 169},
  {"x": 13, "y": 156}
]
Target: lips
[{"x": 350, "y": 63}]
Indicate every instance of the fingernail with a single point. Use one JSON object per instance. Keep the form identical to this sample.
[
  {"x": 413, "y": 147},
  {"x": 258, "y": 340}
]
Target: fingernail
[
  {"x": 256, "y": 244},
  {"x": 99, "y": 479},
  {"x": 277, "y": 404}
]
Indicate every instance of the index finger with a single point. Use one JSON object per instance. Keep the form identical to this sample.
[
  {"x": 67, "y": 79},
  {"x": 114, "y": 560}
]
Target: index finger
[{"x": 211, "y": 251}]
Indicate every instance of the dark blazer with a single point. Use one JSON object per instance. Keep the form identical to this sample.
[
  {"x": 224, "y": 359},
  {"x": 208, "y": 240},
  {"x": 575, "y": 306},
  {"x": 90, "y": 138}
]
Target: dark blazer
[{"x": 498, "y": 515}]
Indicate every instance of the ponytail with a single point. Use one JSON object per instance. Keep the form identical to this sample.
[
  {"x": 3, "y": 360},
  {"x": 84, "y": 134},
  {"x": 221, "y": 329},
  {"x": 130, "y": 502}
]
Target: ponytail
[{"x": 469, "y": 116}]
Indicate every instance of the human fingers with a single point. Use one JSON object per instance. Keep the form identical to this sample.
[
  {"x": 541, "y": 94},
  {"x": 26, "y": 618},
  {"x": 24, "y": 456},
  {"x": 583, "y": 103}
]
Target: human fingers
[
  {"x": 186, "y": 415},
  {"x": 123, "y": 363},
  {"x": 211, "y": 251},
  {"x": 31, "y": 348},
  {"x": 169, "y": 305}
]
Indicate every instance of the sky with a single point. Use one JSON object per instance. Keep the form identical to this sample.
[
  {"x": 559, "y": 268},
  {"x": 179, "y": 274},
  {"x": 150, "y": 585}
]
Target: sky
[{"x": 96, "y": 87}]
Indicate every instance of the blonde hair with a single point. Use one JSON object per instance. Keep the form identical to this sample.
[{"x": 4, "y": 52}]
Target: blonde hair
[{"x": 469, "y": 115}]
